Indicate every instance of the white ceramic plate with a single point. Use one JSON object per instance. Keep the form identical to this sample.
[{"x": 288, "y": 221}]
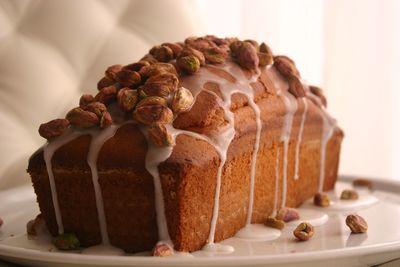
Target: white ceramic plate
[{"x": 332, "y": 244}]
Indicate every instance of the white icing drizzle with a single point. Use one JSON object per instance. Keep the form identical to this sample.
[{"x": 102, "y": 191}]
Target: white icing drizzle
[
  {"x": 291, "y": 107},
  {"x": 48, "y": 152},
  {"x": 246, "y": 88},
  {"x": 327, "y": 131},
  {"x": 99, "y": 137},
  {"x": 299, "y": 138},
  {"x": 275, "y": 208},
  {"x": 328, "y": 127},
  {"x": 258, "y": 232},
  {"x": 222, "y": 140},
  {"x": 290, "y": 103},
  {"x": 155, "y": 155}
]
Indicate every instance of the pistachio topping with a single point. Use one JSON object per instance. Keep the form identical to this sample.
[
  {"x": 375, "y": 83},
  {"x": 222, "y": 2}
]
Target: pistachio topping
[
  {"x": 274, "y": 223},
  {"x": 66, "y": 241},
  {"x": 304, "y": 231},
  {"x": 287, "y": 214},
  {"x": 322, "y": 200},
  {"x": 356, "y": 223},
  {"x": 349, "y": 194},
  {"x": 149, "y": 91}
]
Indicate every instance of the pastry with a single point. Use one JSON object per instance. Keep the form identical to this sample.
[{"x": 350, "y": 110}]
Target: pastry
[{"x": 186, "y": 147}]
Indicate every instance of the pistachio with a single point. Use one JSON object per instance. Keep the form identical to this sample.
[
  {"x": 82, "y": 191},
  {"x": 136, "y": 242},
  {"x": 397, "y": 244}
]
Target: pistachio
[
  {"x": 141, "y": 94},
  {"x": 264, "y": 48},
  {"x": 156, "y": 69},
  {"x": 175, "y": 47},
  {"x": 230, "y": 40},
  {"x": 97, "y": 108},
  {"x": 149, "y": 58},
  {"x": 304, "y": 231},
  {"x": 66, "y": 242},
  {"x": 215, "y": 55},
  {"x": 106, "y": 95},
  {"x": 254, "y": 43},
  {"x": 356, "y": 223},
  {"x": 105, "y": 120},
  {"x": 53, "y": 128},
  {"x": 85, "y": 100},
  {"x": 225, "y": 50},
  {"x": 104, "y": 82},
  {"x": 216, "y": 40},
  {"x": 321, "y": 200},
  {"x": 189, "y": 51},
  {"x": 112, "y": 71},
  {"x": 264, "y": 59},
  {"x": 137, "y": 66},
  {"x": 287, "y": 214},
  {"x": 162, "y": 53},
  {"x": 33, "y": 225},
  {"x": 159, "y": 135},
  {"x": 348, "y": 194},
  {"x": 127, "y": 99},
  {"x": 82, "y": 118},
  {"x": 234, "y": 47},
  {"x": 128, "y": 78},
  {"x": 275, "y": 223},
  {"x": 190, "y": 39},
  {"x": 296, "y": 87},
  {"x": 152, "y": 100},
  {"x": 188, "y": 64},
  {"x": 285, "y": 66},
  {"x": 161, "y": 85},
  {"x": 318, "y": 92},
  {"x": 149, "y": 113},
  {"x": 182, "y": 100},
  {"x": 162, "y": 250},
  {"x": 199, "y": 43},
  {"x": 246, "y": 55},
  {"x": 360, "y": 182}
]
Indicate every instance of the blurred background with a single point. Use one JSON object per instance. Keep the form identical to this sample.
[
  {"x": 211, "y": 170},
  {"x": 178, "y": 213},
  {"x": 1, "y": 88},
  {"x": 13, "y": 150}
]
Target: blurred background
[{"x": 52, "y": 51}]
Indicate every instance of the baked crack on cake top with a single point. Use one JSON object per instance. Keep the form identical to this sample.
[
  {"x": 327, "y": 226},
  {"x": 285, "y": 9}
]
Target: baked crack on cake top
[{"x": 191, "y": 145}]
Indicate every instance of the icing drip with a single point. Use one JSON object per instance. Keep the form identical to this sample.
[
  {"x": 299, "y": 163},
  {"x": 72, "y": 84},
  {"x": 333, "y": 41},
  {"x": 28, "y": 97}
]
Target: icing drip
[
  {"x": 222, "y": 140},
  {"x": 258, "y": 232},
  {"x": 327, "y": 132},
  {"x": 48, "y": 152},
  {"x": 290, "y": 102},
  {"x": 155, "y": 155},
  {"x": 98, "y": 139},
  {"x": 328, "y": 127},
  {"x": 274, "y": 211},
  {"x": 246, "y": 88},
  {"x": 299, "y": 138},
  {"x": 291, "y": 107}
]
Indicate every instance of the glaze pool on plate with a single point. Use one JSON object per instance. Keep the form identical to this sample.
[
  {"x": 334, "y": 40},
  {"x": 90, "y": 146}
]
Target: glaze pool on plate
[{"x": 332, "y": 240}]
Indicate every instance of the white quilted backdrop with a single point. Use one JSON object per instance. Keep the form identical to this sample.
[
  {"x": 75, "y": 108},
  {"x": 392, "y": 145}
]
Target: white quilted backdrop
[{"x": 52, "y": 51}]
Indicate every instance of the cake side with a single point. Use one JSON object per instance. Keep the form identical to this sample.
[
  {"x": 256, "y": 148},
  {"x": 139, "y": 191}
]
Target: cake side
[{"x": 188, "y": 178}]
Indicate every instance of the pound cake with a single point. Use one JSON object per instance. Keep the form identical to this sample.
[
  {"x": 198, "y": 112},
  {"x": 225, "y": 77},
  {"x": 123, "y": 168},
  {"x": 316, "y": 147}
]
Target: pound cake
[{"x": 194, "y": 142}]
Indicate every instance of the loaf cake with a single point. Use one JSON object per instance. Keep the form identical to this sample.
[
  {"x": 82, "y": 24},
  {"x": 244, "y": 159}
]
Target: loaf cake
[{"x": 185, "y": 147}]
